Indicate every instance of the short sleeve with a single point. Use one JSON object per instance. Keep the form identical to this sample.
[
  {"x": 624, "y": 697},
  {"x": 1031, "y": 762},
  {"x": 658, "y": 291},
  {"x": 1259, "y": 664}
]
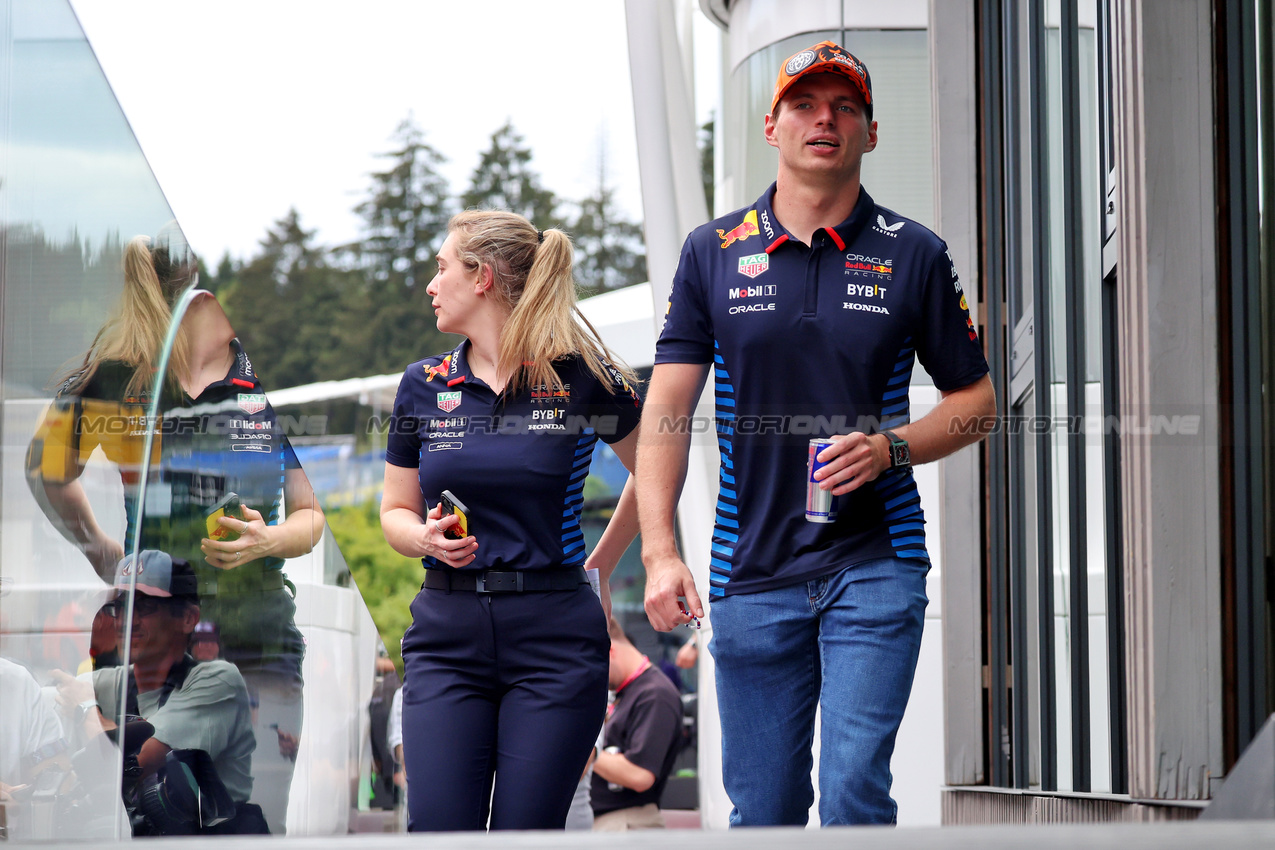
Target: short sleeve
[
  {"x": 31, "y": 722},
  {"x": 106, "y": 689},
  {"x": 948, "y": 344},
  {"x": 615, "y": 407},
  {"x": 53, "y": 454},
  {"x": 204, "y": 712},
  {"x": 653, "y": 725},
  {"x": 688, "y": 328},
  {"x": 403, "y": 447}
]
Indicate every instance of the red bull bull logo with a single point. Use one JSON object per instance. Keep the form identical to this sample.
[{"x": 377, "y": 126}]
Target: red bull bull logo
[
  {"x": 439, "y": 371},
  {"x": 738, "y": 233}
]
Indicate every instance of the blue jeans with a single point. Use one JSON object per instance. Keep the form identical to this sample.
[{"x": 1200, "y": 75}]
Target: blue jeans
[{"x": 848, "y": 643}]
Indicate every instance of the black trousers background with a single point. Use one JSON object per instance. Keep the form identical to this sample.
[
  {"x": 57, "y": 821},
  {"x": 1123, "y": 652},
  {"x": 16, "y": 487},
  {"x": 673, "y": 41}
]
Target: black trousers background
[{"x": 509, "y": 688}]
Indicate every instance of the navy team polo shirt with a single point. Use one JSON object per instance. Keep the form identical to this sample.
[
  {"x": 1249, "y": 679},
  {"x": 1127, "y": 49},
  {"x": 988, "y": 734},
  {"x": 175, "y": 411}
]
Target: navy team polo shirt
[
  {"x": 812, "y": 341},
  {"x": 518, "y": 463},
  {"x": 226, "y": 440}
]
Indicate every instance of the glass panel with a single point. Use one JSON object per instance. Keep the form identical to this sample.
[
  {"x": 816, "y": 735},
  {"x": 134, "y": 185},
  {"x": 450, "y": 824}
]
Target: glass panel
[
  {"x": 74, "y": 179},
  {"x": 899, "y": 174},
  {"x": 1095, "y": 494},
  {"x": 1031, "y": 573},
  {"x": 1095, "y": 520},
  {"x": 80, "y": 489},
  {"x": 1053, "y": 155},
  {"x": 1022, "y": 279},
  {"x": 226, "y": 495},
  {"x": 1266, "y": 200}
]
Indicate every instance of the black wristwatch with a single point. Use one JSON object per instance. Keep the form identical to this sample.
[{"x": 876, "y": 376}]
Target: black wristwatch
[
  {"x": 83, "y": 710},
  {"x": 900, "y": 456}
]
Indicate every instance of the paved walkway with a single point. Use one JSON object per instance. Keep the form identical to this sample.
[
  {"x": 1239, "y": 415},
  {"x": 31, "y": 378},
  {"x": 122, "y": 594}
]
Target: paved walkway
[{"x": 1234, "y": 835}]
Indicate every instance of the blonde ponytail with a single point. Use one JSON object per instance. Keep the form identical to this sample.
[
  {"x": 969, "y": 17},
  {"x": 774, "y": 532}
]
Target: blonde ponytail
[
  {"x": 532, "y": 275},
  {"x": 134, "y": 332}
]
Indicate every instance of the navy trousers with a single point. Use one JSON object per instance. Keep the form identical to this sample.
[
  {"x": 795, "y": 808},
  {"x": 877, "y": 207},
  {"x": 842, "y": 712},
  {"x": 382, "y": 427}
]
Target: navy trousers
[{"x": 503, "y": 697}]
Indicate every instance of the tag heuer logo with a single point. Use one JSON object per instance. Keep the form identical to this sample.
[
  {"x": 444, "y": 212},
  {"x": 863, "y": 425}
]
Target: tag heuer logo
[
  {"x": 251, "y": 403},
  {"x": 754, "y": 264},
  {"x": 447, "y": 402}
]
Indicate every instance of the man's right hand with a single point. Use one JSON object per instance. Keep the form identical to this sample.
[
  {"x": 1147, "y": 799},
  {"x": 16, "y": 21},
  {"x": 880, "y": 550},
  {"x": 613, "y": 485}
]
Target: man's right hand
[{"x": 668, "y": 582}]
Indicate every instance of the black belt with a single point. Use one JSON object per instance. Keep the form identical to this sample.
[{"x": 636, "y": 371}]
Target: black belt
[{"x": 505, "y": 581}]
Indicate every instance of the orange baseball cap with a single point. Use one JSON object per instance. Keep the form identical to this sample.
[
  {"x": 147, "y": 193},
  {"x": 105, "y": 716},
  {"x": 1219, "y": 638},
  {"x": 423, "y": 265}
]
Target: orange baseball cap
[{"x": 824, "y": 58}]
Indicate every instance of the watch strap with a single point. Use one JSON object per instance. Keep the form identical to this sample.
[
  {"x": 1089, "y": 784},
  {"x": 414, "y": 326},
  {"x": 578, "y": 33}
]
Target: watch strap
[{"x": 83, "y": 710}]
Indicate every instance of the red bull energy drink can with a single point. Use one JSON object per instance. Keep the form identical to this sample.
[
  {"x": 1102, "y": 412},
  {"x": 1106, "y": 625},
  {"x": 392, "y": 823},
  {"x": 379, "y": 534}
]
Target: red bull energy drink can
[{"x": 821, "y": 505}]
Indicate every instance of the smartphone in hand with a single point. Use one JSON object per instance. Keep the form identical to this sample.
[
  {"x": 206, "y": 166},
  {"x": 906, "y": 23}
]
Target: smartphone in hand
[
  {"x": 452, "y": 505},
  {"x": 228, "y": 506}
]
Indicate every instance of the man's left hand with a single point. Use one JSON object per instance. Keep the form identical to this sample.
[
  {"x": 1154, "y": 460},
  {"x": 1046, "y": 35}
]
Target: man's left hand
[{"x": 852, "y": 461}]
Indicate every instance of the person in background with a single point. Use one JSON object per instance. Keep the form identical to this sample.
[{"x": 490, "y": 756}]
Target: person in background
[
  {"x": 505, "y": 662},
  {"x": 31, "y": 734},
  {"x": 394, "y": 740},
  {"x": 104, "y": 650},
  {"x": 191, "y": 706},
  {"x": 641, "y": 738},
  {"x": 688, "y": 654},
  {"x": 386, "y": 686},
  {"x": 810, "y": 307},
  {"x": 205, "y": 641},
  {"x": 580, "y": 816}
]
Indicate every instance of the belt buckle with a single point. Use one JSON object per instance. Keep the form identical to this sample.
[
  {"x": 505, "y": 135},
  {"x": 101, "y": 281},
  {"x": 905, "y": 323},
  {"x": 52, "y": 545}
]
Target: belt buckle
[{"x": 499, "y": 582}]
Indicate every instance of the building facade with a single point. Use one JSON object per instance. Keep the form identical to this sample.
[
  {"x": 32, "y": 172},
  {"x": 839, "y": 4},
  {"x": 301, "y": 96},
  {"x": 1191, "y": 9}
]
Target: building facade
[{"x": 1103, "y": 173}]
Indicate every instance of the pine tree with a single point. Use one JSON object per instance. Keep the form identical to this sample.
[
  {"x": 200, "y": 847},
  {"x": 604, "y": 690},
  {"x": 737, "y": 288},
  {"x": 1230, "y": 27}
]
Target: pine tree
[
  {"x": 505, "y": 180},
  {"x": 707, "y": 139},
  {"x": 610, "y": 253},
  {"x": 405, "y": 221},
  {"x": 291, "y": 308}
]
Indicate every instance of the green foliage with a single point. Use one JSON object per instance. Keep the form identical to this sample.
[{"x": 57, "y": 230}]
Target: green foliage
[
  {"x": 610, "y": 253},
  {"x": 405, "y": 223},
  {"x": 505, "y": 180},
  {"x": 309, "y": 313},
  {"x": 595, "y": 489},
  {"x": 707, "y": 140},
  {"x": 387, "y": 581},
  {"x": 290, "y": 307}
]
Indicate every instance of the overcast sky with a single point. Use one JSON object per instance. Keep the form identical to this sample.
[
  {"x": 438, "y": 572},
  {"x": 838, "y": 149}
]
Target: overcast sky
[{"x": 245, "y": 108}]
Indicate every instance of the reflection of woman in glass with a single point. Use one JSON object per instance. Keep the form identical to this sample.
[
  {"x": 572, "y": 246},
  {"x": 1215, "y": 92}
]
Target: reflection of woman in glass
[
  {"x": 506, "y": 658},
  {"x": 217, "y": 436}
]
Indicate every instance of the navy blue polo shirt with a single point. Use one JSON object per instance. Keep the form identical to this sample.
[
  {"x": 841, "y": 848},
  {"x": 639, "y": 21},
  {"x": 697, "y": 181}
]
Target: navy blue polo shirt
[
  {"x": 812, "y": 341},
  {"x": 518, "y": 462},
  {"x": 226, "y": 440}
]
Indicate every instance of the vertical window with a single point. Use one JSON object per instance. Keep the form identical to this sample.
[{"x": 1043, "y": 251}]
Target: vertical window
[{"x": 1048, "y": 604}]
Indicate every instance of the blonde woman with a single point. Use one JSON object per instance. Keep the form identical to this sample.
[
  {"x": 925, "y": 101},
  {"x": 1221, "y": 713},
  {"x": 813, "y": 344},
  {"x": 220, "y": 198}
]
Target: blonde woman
[{"x": 507, "y": 655}]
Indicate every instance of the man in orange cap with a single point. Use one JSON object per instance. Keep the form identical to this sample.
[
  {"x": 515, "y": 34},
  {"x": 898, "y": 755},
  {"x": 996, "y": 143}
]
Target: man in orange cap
[{"x": 811, "y": 307}]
